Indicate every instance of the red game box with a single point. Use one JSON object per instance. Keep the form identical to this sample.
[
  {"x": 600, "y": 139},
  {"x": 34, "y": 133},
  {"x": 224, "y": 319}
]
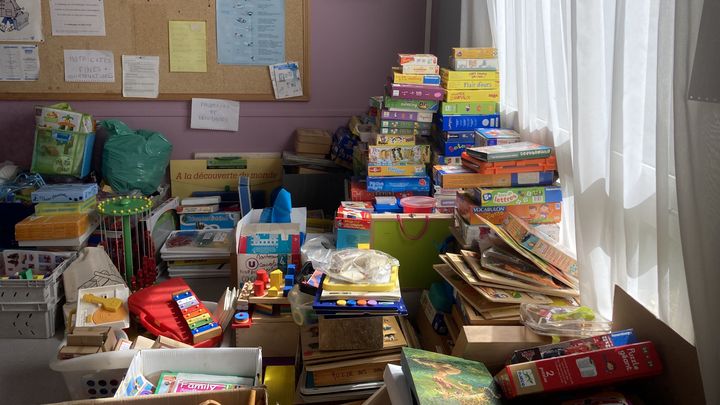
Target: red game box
[{"x": 580, "y": 370}]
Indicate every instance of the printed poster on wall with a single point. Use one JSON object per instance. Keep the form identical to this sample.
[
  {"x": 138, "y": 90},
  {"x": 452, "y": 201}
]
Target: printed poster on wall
[
  {"x": 20, "y": 20},
  {"x": 250, "y": 32}
]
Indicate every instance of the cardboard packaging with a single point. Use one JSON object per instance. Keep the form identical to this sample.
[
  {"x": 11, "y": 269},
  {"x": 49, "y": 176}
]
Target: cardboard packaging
[
  {"x": 468, "y": 122},
  {"x": 579, "y": 370},
  {"x": 453, "y": 148},
  {"x": 241, "y": 361},
  {"x": 248, "y": 396},
  {"x": 263, "y": 169},
  {"x": 405, "y": 131},
  {"x": 59, "y": 152},
  {"x": 473, "y": 64},
  {"x": 404, "y": 124},
  {"x": 355, "y": 333},
  {"x": 471, "y": 84},
  {"x": 277, "y": 336},
  {"x": 52, "y": 227},
  {"x": 163, "y": 342},
  {"x": 394, "y": 140},
  {"x": 419, "y": 116},
  {"x": 399, "y": 77},
  {"x": 540, "y": 245},
  {"x": 486, "y": 75},
  {"x": 469, "y": 107},
  {"x": 216, "y": 220},
  {"x": 417, "y": 69},
  {"x": 417, "y": 58},
  {"x": 399, "y": 184},
  {"x": 492, "y": 344},
  {"x": 313, "y": 136},
  {"x": 396, "y": 170},
  {"x": 532, "y": 214},
  {"x": 471, "y": 53},
  {"x": 95, "y": 336},
  {"x": 313, "y": 148},
  {"x": 502, "y": 197},
  {"x": 495, "y": 136},
  {"x": 64, "y": 193},
  {"x": 415, "y": 91},
  {"x": 61, "y": 116},
  {"x": 248, "y": 261},
  {"x": 472, "y": 95},
  {"x": 351, "y": 238},
  {"x": 399, "y": 155},
  {"x": 448, "y": 176},
  {"x": 359, "y": 192},
  {"x": 582, "y": 345},
  {"x": 71, "y": 352}
]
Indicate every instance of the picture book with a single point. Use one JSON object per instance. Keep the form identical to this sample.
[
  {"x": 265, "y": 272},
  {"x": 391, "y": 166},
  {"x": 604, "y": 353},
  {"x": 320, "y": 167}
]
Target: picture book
[
  {"x": 511, "y": 151},
  {"x": 439, "y": 379}
]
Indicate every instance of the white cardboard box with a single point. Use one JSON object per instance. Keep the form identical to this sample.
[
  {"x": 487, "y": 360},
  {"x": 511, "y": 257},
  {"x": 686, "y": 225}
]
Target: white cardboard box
[{"x": 241, "y": 361}]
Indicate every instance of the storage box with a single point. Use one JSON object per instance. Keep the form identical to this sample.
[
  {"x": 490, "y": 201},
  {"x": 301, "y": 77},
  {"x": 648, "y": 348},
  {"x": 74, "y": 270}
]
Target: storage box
[
  {"x": 80, "y": 207},
  {"x": 493, "y": 344},
  {"x": 59, "y": 152},
  {"x": 28, "y": 320},
  {"x": 580, "y": 370},
  {"x": 244, "y": 362},
  {"x": 313, "y": 136},
  {"x": 277, "y": 336},
  {"x": 60, "y": 116},
  {"x": 64, "y": 193},
  {"x": 188, "y": 176},
  {"x": 399, "y": 77},
  {"x": 397, "y": 170},
  {"x": 37, "y": 227},
  {"x": 250, "y": 396}
]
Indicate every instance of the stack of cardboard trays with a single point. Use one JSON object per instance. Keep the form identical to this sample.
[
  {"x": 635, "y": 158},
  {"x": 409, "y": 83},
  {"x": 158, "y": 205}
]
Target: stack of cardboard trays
[
  {"x": 312, "y": 142},
  {"x": 357, "y": 335}
]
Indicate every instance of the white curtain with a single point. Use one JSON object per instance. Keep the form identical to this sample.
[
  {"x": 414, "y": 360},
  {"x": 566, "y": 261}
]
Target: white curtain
[{"x": 587, "y": 78}]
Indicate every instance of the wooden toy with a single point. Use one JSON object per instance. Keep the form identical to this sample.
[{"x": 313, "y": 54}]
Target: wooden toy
[
  {"x": 276, "y": 279},
  {"x": 262, "y": 275},
  {"x": 108, "y": 304},
  {"x": 259, "y": 288},
  {"x": 199, "y": 320},
  {"x": 273, "y": 292}
]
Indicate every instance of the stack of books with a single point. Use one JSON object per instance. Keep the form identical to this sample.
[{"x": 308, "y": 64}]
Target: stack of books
[
  {"x": 357, "y": 335},
  {"x": 198, "y": 253},
  {"x": 64, "y": 216},
  {"x": 523, "y": 265},
  {"x": 396, "y": 158}
]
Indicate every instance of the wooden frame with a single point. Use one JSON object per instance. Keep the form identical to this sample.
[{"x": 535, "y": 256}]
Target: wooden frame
[{"x": 128, "y": 25}]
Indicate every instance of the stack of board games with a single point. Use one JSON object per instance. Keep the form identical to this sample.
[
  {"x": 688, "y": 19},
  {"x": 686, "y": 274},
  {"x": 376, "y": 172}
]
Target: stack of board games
[
  {"x": 521, "y": 265},
  {"x": 64, "y": 216},
  {"x": 346, "y": 375},
  {"x": 198, "y": 213},
  {"x": 198, "y": 253},
  {"x": 398, "y": 156}
]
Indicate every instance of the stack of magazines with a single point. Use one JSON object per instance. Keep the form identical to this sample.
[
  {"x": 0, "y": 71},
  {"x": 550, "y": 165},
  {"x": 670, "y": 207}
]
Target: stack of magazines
[{"x": 198, "y": 253}]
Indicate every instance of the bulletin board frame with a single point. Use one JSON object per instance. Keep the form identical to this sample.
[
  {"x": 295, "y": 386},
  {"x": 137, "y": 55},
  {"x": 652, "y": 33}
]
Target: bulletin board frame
[{"x": 140, "y": 27}]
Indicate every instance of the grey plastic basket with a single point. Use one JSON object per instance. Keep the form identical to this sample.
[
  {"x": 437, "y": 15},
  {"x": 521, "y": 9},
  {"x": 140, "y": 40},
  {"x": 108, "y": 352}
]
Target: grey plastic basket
[
  {"x": 28, "y": 321},
  {"x": 49, "y": 289}
]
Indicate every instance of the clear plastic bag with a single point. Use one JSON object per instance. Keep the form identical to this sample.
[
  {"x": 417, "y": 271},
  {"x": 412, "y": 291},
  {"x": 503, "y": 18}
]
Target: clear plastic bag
[
  {"x": 563, "y": 320},
  {"x": 361, "y": 266},
  {"x": 317, "y": 251}
]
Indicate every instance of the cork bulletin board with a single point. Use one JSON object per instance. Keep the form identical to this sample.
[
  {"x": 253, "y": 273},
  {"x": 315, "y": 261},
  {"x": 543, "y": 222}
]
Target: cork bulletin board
[{"x": 140, "y": 27}]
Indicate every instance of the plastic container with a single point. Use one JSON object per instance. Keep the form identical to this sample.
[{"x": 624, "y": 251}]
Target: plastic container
[
  {"x": 95, "y": 375},
  {"x": 43, "y": 227},
  {"x": 418, "y": 205},
  {"x": 47, "y": 290},
  {"x": 28, "y": 321},
  {"x": 301, "y": 307}
]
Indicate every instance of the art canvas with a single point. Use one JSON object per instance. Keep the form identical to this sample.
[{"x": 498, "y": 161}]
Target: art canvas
[{"x": 446, "y": 380}]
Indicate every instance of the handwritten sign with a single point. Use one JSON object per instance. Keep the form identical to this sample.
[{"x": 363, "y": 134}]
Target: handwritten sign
[
  {"x": 209, "y": 113},
  {"x": 89, "y": 66}
]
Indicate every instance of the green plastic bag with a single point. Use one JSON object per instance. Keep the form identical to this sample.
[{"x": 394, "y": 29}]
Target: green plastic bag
[{"x": 134, "y": 160}]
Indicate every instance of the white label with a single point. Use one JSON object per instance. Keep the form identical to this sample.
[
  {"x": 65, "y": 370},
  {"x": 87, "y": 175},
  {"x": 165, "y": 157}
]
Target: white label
[
  {"x": 528, "y": 178},
  {"x": 525, "y": 378}
]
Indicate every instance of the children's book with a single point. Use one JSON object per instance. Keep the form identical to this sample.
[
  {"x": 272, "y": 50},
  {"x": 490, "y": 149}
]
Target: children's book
[{"x": 436, "y": 378}]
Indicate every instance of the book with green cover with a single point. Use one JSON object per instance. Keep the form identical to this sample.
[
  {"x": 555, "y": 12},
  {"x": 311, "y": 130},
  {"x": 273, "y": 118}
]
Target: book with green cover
[{"x": 446, "y": 380}]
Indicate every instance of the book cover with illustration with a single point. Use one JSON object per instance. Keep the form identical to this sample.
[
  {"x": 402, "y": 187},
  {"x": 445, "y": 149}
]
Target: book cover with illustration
[{"x": 440, "y": 379}]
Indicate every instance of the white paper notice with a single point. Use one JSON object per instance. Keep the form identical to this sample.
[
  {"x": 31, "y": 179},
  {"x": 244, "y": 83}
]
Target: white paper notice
[
  {"x": 215, "y": 114},
  {"x": 141, "y": 76},
  {"x": 19, "y": 62},
  {"x": 89, "y": 66},
  {"x": 77, "y": 17},
  {"x": 20, "y": 20}
]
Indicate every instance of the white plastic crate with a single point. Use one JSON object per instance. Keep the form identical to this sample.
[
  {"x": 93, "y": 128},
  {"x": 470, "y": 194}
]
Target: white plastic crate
[
  {"x": 95, "y": 375},
  {"x": 49, "y": 289},
  {"x": 29, "y": 321}
]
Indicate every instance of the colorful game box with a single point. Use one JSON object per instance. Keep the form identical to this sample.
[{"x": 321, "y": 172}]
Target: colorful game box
[
  {"x": 396, "y": 170},
  {"x": 64, "y": 192},
  {"x": 511, "y": 151},
  {"x": 399, "y": 77},
  {"x": 495, "y": 136},
  {"x": 472, "y": 53},
  {"x": 471, "y": 84},
  {"x": 415, "y": 91},
  {"x": 500, "y": 197},
  {"x": 614, "y": 339},
  {"x": 461, "y": 177},
  {"x": 398, "y": 155},
  {"x": 420, "y": 116},
  {"x": 217, "y": 220},
  {"x": 540, "y": 244},
  {"x": 580, "y": 370},
  {"x": 533, "y": 213},
  {"x": 468, "y": 122},
  {"x": 394, "y": 140},
  {"x": 469, "y": 107},
  {"x": 399, "y": 184}
]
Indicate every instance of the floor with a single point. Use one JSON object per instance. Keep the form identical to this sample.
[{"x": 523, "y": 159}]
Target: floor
[{"x": 25, "y": 377}]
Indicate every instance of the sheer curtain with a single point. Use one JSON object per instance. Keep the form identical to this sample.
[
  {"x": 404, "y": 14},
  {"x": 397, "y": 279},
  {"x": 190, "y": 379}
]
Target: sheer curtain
[{"x": 586, "y": 77}]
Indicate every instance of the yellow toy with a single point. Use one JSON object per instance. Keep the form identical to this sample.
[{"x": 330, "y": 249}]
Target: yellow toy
[{"x": 108, "y": 304}]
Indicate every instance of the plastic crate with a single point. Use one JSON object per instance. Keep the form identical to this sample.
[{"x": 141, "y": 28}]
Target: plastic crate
[
  {"x": 49, "y": 289},
  {"x": 95, "y": 375},
  {"x": 28, "y": 321}
]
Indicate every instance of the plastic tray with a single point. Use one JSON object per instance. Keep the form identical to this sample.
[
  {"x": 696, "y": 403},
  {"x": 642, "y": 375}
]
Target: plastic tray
[
  {"x": 49, "y": 289},
  {"x": 28, "y": 321}
]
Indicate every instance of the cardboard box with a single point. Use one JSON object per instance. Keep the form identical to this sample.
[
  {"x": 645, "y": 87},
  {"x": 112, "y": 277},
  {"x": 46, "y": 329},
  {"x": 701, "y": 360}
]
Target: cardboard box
[
  {"x": 469, "y": 107},
  {"x": 399, "y": 184},
  {"x": 313, "y": 136},
  {"x": 540, "y": 245},
  {"x": 393, "y": 140},
  {"x": 263, "y": 169},
  {"x": 141, "y": 342},
  {"x": 492, "y": 344},
  {"x": 244, "y": 362},
  {"x": 71, "y": 352},
  {"x": 245, "y": 396},
  {"x": 499, "y": 197},
  {"x": 248, "y": 263},
  {"x": 354, "y": 333},
  {"x": 399, "y": 155},
  {"x": 472, "y": 53},
  {"x": 97, "y": 336},
  {"x": 315, "y": 148},
  {"x": 398, "y": 170},
  {"x": 579, "y": 370},
  {"x": 277, "y": 336},
  {"x": 216, "y": 220},
  {"x": 581, "y": 345},
  {"x": 533, "y": 213},
  {"x": 163, "y": 342}
]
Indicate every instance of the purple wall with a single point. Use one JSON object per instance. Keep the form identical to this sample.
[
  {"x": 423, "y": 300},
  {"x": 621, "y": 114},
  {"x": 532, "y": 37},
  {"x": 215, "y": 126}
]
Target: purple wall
[{"x": 353, "y": 45}]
